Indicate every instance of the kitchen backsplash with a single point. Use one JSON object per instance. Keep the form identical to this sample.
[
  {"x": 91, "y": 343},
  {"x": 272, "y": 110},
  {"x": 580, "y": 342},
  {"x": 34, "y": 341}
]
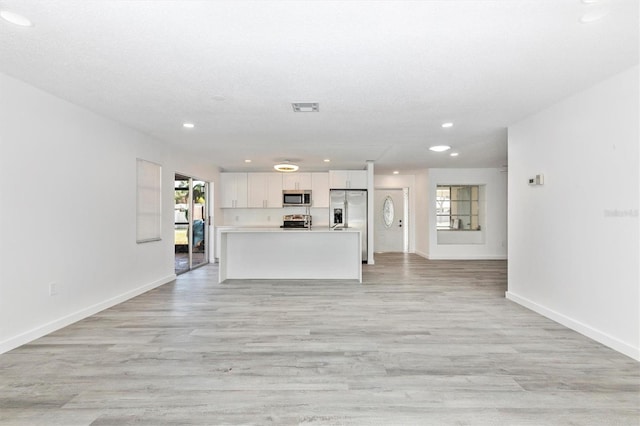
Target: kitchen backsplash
[{"x": 271, "y": 217}]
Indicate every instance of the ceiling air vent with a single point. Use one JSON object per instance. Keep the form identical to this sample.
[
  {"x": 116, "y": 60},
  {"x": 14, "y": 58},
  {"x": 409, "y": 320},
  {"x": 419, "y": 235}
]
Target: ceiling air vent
[{"x": 306, "y": 107}]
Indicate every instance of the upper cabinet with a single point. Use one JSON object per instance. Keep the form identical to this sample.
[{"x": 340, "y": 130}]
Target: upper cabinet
[
  {"x": 233, "y": 190},
  {"x": 348, "y": 179},
  {"x": 296, "y": 181},
  {"x": 265, "y": 190},
  {"x": 320, "y": 189}
]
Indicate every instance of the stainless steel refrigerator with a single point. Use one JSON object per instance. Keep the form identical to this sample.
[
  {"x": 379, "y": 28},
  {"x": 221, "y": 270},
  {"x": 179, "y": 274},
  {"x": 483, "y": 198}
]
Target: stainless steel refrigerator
[{"x": 349, "y": 210}]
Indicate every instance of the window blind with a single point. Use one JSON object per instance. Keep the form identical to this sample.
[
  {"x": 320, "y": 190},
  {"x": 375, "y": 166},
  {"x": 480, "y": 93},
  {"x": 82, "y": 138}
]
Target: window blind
[{"x": 149, "y": 201}]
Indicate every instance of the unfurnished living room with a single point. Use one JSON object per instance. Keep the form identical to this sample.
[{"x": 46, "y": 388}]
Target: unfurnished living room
[{"x": 319, "y": 212}]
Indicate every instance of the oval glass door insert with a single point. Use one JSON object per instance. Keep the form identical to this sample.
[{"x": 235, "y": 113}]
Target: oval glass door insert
[{"x": 387, "y": 212}]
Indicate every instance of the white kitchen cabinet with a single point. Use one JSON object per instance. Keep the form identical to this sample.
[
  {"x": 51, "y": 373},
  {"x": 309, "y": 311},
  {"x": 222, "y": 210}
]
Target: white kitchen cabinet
[
  {"x": 265, "y": 190},
  {"x": 348, "y": 179},
  {"x": 320, "y": 189},
  {"x": 233, "y": 190},
  {"x": 296, "y": 181}
]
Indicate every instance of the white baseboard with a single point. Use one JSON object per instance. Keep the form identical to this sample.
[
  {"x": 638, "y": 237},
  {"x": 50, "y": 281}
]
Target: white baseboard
[
  {"x": 468, "y": 257},
  {"x": 575, "y": 325},
  {"x": 422, "y": 254},
  {"x": 460, "y": 257},
  {"x": 59, "y": 323}
]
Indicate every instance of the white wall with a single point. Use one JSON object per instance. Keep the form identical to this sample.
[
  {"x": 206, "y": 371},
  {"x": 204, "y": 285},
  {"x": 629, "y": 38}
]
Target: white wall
[
  {"x": 67, "y": 212},
  {"x": 573, "y": 242},
  {"x": 488, "y": 243}
]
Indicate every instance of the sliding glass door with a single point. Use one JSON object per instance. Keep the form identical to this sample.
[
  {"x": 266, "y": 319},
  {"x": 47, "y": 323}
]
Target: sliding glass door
[
  {"x": 199, "y": 246},
  {"x": 190, "y": 223}
]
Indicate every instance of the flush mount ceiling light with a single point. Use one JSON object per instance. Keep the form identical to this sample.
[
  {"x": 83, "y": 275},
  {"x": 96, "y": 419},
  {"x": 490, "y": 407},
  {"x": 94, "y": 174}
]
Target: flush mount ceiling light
[
  {"x": 188, "y": 125},
  {"x": 440, "y": 148},
  {"x": 286, "y": 167},
  {"x": 15, "y": 19},
  {"x": 247, "y": 161},
  {"x": 447, "y": 125},
  {"x": 454, "y": 154},
  {"x": 396, "y": 172},
  {"x": 305, "y": 107},
  {"x": 327, "y": 160}
]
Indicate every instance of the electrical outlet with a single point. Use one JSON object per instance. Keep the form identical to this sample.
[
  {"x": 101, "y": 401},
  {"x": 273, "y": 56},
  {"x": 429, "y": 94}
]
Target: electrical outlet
[{"x": 53, "y": 289}]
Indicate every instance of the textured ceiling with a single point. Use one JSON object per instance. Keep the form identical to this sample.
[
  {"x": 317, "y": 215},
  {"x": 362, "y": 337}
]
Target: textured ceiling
[{"x": 386, "y": 74}]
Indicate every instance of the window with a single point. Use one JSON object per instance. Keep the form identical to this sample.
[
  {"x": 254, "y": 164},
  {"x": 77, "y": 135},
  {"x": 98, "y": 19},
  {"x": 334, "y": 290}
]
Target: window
[
  {"x": 457, "y": 207},
  {"x": 149, "y": 201}
]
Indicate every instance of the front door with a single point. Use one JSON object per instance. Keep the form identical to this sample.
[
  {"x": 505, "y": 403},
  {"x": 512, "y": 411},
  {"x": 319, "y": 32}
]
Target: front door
[{"x": 389, "y": 220}]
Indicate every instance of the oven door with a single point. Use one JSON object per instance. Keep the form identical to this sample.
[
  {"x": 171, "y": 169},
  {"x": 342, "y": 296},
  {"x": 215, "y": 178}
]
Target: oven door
[{"x": 294, "y": 224}]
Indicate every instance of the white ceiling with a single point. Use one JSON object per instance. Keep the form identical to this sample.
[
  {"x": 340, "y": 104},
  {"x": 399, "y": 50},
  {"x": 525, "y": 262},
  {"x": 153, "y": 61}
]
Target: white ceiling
[{"x": 386, "y": 74}]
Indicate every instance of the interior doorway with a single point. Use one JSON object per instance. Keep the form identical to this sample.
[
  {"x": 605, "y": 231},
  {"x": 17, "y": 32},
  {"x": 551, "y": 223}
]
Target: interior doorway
[
  {"x": 391, "y": 220},
  {"x": 191, "y": 236}
]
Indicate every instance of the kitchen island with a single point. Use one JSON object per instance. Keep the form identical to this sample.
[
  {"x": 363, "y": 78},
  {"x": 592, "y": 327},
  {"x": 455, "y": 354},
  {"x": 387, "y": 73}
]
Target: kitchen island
[{"x": 274, "y": 253}]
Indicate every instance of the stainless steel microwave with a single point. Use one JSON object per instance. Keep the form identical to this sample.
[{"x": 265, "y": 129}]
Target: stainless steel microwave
[{"x": 296, "y": 198}]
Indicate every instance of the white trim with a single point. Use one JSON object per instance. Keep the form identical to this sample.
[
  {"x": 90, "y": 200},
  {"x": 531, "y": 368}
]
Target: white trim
[
  {"x": 59, "y": 323},
  {"x": 578, "y": 326}
]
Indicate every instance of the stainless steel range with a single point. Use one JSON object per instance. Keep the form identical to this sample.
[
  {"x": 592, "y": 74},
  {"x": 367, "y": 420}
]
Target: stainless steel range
[{"x": 296, "y": 221}]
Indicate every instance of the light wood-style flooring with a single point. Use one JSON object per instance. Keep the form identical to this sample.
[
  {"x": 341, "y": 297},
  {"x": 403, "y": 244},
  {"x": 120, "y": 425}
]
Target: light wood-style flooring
[{"x": 418, "y": 343}]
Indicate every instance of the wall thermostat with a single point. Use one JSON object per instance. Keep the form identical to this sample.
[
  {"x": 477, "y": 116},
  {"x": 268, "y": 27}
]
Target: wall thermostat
[{"x": 537, "y": 180}]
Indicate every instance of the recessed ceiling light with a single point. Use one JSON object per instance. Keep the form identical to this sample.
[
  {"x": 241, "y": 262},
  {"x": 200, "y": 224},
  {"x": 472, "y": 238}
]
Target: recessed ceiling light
[
  {"x": 327, "y": 160},
  {"x": 15, "y": 19},
  {"x": 395, "y": 172},
  {"x": 440, "y": 148},
  {"x": 188, "y": 125},
  {"x": 305, "y": 106},
  {"x": 447, "y": 125},
  {"x": 454, "y": 154},
  {"x": 247, "y": 161}
]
